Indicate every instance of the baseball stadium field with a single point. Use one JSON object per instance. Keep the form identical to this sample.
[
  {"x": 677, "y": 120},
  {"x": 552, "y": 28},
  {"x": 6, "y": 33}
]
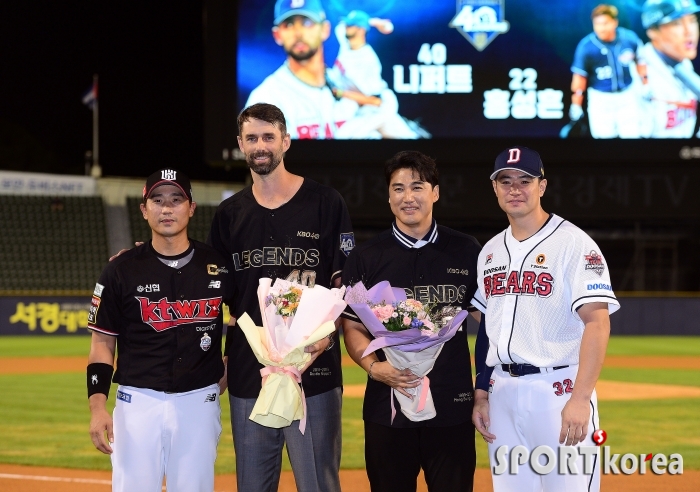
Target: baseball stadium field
[{"x": 649, "y": 396}]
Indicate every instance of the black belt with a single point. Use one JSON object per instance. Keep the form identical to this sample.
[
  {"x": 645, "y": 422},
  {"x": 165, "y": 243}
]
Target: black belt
[{"x": 517, "y": 370}]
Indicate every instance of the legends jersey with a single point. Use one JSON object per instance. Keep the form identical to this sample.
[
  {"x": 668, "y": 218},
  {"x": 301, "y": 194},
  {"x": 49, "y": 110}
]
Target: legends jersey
[
  {"x": 606, "y": 66},
  {"x": 311, "y": 112},
  {"x": 441, "y": 272},
  {"x": 531, "y": 290},
  {"x": 673, "y": 106},
  {"x": 168, "y": 321},
  {"x": 306, "y": 240}
]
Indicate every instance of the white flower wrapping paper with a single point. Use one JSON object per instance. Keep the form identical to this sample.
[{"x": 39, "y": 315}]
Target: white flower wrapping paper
[{"x": 279, "y": 345}]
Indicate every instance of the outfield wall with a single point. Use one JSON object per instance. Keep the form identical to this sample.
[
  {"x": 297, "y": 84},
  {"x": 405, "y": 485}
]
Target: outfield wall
[{"x": 61, "y": 315}]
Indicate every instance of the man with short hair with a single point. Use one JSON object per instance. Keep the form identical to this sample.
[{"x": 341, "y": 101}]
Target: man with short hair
[
  {"x": 672, "y": 27},
  {"x": 159, "y": 306},
  {"x": 433, "y": 264},
  {"x": 602, "y": 68},
  {"x": 545, "y": 290},
  {"x": 290, "y": 227}
]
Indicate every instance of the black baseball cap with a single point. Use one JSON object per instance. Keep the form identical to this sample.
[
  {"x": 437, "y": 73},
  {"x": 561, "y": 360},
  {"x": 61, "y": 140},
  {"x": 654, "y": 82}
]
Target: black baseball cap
[
  {"x": 170, "y": 177},
  {"x": 519, "y": 159}
]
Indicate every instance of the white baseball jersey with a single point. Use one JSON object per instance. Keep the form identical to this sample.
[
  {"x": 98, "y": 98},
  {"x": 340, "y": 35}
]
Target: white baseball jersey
[
  {"x": 673, "y": 107},
  {"x": 531, "y": 290},
  {"x": 311, "y": 112},
  {"x": 361, "y": 66}
]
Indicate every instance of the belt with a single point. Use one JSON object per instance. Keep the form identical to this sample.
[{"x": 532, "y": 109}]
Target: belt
[{"x": 517, "y": 370}]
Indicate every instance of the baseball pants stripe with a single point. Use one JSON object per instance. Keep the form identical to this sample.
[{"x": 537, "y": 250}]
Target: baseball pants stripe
[
  {"x": 160, "y": 434},
  {"x": 526, "y": 411}
]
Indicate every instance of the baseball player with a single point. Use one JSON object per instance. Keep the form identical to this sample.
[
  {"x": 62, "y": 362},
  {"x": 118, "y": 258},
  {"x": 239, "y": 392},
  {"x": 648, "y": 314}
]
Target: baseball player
[
  {"x": 357, "y": 73},
  {"x": 283, "y": 226},
  {"x": 299, "y": 86},
  {"x": 433, "y": 264},
  {"x": 672, "y": 28},
  {"x": 603, "y": 68},
  {"x": 545, "y": 288},
  {"x": 159, "y": 306}
]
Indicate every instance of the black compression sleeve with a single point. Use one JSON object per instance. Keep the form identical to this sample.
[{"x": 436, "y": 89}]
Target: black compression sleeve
[{"x": 99, "y": 378}]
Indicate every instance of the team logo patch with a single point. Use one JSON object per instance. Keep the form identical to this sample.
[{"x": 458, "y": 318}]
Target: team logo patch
[
  {"x": 98, "y": 290},
  {"x": 162, "y": 315},
  {"x": 205, "y": 342},
  {"x": 347, "y": 242},
  {"x": 94, "y": 307},
  {"x": 480, "y": 21},
  {"x": 212, "y": 269},
  {"x": 594, "y": 262},
  {"x": 540, "y": 259},
  {"x": 210, "y": 397},
  {"x": 126, "y": 397},
  {"x": 489, "y": 258}
]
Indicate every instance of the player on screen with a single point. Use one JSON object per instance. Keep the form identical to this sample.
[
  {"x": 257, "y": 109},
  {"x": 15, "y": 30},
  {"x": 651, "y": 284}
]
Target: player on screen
[
  {"x": 672, "y": 28},
  {"x": 358, "y": 71},
  {"x": 299, "y": 86},
  {"x": 603, "y": 68}
]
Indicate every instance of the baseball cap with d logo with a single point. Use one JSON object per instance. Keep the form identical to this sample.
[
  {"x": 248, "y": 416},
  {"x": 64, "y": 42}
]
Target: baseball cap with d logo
[
  {"x": 519, "y": 159},
  {"x": 284, "y": 9},
  {"x": 167, "y": 177}
]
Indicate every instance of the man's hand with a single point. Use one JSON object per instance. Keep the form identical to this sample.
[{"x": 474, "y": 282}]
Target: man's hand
[
  {"x": 480, "y": 415},
  {"x": 574, "y": 421},
  {"x": 315, "y": 350},
  {"x": 575, "y": 112},
  {"x": 223, "y": 382},
  {"x": 137, "y": 243},
  {"x": 101, "y": 422},
  {"x": 385, "y": 373}
]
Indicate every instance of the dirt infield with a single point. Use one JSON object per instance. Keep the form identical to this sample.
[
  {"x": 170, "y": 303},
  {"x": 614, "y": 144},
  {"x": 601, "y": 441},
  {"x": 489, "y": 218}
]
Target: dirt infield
[
  {"x": 14, "y": 478},
  {"x": 35, "y": 365}
]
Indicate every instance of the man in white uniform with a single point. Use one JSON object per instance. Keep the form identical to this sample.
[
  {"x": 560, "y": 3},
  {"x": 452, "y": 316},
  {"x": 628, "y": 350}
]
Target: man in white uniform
[
  {"x": 672, "y": 28},
  {"x": 545, "y": 289},
  {"x": 357, "y": 69},
  {"x": 299, "y": 86}
]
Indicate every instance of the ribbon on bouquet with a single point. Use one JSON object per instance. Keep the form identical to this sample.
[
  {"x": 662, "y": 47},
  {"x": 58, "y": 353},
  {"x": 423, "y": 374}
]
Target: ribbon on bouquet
[
  {"x": 293, "y": 373},
  {"x": 424, "y": 391}
]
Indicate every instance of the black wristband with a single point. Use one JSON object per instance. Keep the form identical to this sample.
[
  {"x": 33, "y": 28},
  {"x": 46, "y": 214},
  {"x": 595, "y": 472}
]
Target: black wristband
[{"x": 99, "y": 378}]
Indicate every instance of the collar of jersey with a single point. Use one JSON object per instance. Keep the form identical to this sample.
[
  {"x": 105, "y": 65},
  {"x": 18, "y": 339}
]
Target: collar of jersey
[
  {"x": 409, "y": 242},
  {"x": 667, "y": 59}
]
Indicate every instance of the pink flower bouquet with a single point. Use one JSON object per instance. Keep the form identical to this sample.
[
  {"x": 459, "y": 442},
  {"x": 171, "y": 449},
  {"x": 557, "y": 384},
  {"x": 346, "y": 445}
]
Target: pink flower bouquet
[
  {"x": 410, "y": 333},
  {"x": 293, "y": 317}
]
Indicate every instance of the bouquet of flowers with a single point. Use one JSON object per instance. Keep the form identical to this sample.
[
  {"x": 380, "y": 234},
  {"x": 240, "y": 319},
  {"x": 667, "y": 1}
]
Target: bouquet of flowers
[
  {"x": 410, "y": 333},
  {"x": 293, "y": 317}
]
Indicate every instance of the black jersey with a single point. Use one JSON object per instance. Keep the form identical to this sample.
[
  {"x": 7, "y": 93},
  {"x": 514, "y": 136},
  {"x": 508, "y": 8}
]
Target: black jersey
[
  {"x": 168, "y": 321},
  {"x": 443, "y": 272},
  {"x": 306, "y": 240}
]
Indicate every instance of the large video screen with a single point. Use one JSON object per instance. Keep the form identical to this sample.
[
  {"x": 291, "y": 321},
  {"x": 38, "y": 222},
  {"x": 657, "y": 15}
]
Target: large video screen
[{"x": 417, "y": 69}]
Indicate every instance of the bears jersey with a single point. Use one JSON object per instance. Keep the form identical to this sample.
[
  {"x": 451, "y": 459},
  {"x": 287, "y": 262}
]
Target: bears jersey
[
  {"x": 532, "y": 289},
  {"x": 168, "y": 320},
  {"x": 673, "y": 108},
  {"x": 606, "y": 66},
  {"x": 311, "y": 112}
]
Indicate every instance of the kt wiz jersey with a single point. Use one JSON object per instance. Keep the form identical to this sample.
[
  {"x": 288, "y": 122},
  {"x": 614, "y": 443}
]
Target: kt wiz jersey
[
  {"x": 443, "y": 272},
  {"x": 306, "y": 240},
  {"x": 168, "y": 321},
  {"x": 311, "y": 112},
  {"x": 606, "y": 66},
  {"x": 531, "y": 290}
]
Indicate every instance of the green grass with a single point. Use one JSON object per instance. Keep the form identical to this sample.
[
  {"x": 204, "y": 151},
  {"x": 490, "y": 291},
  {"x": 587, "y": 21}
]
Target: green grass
[{"x": 44, "y": 418}]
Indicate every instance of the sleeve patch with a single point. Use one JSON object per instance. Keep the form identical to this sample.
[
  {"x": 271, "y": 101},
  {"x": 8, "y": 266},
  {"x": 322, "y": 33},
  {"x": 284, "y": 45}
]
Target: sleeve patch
[
  {"x": 94, "y": 307},
  {"x": 593, "y": 261},
  {"x": 347, "y": 242},
  {"x": 98, "y": 289},
  {"x": 597, "y": 287}
]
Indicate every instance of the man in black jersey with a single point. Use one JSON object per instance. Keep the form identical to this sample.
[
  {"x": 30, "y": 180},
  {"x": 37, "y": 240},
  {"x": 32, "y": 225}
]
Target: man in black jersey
[
  {"x": 433, "y": 264},
  {"x": 282, "y": 226},
  {"x": 159, "y": 306}
]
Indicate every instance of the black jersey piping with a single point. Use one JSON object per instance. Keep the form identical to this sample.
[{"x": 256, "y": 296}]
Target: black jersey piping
[
  {"x": 505, "y": 244},
  {"x": 595, "y": 457},
  {"x": 588, "y": 297},
  {"x": 515, "y": 308}
]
